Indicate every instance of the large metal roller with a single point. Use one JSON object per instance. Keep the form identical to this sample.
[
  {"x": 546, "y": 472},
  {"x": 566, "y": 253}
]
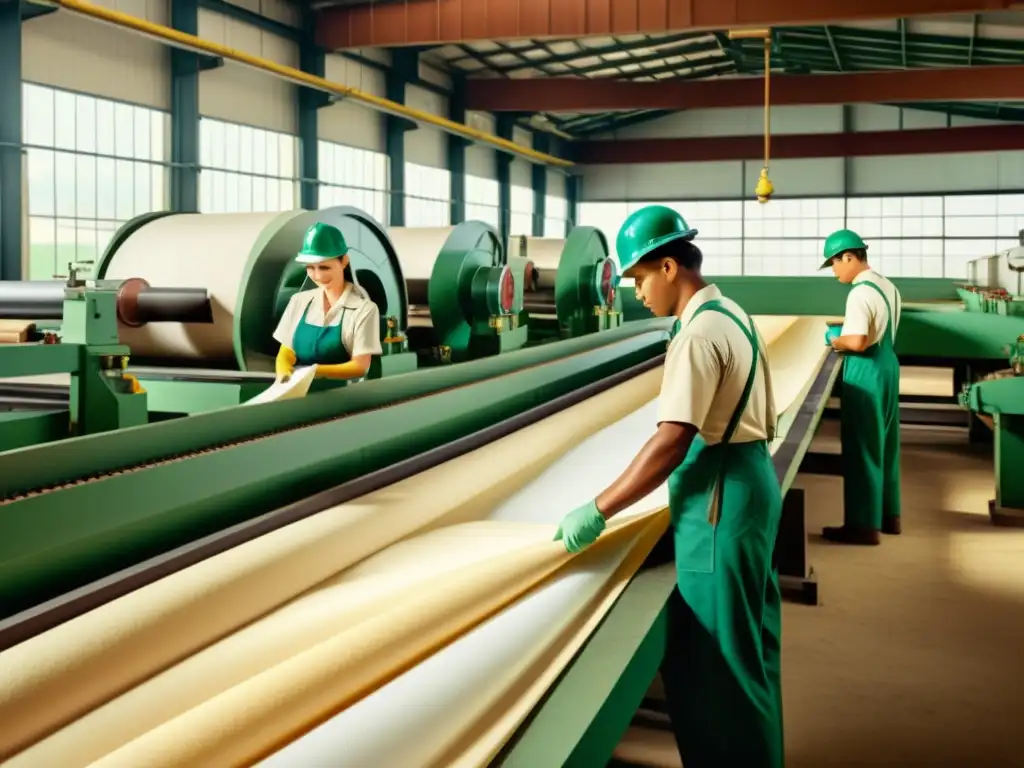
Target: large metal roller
[
  {"x": 459, "y": 275},
  {"x": 575, "y": 280},
  {"x": 246, "y": 263}
]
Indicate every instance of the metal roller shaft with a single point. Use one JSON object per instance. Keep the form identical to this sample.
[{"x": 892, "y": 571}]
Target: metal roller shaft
[{"x": 44, "y": 300}]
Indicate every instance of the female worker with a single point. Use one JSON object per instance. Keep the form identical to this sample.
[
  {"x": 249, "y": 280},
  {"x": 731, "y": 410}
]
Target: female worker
[
  {"x": 870, "y": 402},
  {"x": 335, "y": 326},
  {"x": 716, "y": 416}
]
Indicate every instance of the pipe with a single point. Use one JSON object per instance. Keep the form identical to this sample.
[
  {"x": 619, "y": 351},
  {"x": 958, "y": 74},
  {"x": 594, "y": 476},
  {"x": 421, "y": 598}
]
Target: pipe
[
  {"x": 199, "y": 45},
  {"x": 44, "y": 300}
]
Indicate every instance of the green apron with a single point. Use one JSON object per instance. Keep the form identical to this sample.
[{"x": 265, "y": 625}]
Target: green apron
[
  {"x": 722, "y": 667},
  {"x": 319, "y": 344},
  {"x": 870, "y": 423}
]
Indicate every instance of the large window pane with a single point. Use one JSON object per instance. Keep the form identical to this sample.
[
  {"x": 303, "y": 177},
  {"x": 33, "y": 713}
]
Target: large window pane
[
  {"x": 80, "y": 194},
  {"x": 427, "y": 196},
  {"x": 351, "y": 176},
  {"x": 245, "y": 169}
]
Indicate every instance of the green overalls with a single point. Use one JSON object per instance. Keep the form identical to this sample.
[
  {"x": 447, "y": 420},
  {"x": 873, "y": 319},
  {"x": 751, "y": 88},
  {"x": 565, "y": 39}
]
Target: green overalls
[
  {"x": 319, "y": 345},
  {"x": 870, "y": 422},
  {"x": 722, "y": 666}
]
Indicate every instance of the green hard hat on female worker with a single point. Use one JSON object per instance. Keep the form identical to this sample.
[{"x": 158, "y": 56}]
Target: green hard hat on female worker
[
  {"x": 325, "y": 254},
  {"x": 846, "y": 252},
  {"x": 655, "y": 247}
]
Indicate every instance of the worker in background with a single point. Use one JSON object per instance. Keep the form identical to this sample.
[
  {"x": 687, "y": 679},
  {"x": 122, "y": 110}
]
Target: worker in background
[
  {"x": 335, "y": 326},
  {"x": 870, "y": 405},
  {"x": 716, "y": 416}
]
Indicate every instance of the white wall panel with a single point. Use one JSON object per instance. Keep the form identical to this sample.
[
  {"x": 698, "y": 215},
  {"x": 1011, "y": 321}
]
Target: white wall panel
[
  {"x": 519, "y": 172},
  {"x": 735, "y": 122},
  {"x": 68, "y": 51},
  {"x": 281, "y": 11},
  {"x": 426, "y": 145},
  {"x": 811, "y": 177},
  {"x": 917, "y": 174},
  {"x": 347, "y": 122},
  {"x": 481, "y": 159},
  {"x": 662, "y": 181},
  {"x": 556, "y": 183},
  {"x": 241, "y": 94}
]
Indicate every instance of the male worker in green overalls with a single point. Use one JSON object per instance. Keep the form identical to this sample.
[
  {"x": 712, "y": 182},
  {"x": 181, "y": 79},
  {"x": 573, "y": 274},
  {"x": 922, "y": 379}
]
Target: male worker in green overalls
[
  {"x": 716, "y": 416},
  {"x": 870, "y": 409}
]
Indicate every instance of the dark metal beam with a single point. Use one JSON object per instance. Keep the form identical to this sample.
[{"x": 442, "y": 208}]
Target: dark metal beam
[
  {"x": 12, "y": 235},
  {"x": 997, "y": 83}
]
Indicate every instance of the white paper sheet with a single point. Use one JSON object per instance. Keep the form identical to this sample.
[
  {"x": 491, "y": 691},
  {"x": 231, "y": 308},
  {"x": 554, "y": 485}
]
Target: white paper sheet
[{"x": 295, "y": 387}]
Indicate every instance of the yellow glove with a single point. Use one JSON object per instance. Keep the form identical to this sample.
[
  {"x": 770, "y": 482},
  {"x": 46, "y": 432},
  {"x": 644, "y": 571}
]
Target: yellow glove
[
  {"x": 342, "y": 371},
  {"x": 285, "y": 363}
]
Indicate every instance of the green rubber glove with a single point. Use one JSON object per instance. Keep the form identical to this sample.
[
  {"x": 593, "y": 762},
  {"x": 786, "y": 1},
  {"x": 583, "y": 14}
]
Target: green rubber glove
[
  {"x": 832, "y": 333},
  {"x": 581, "y": 527}
]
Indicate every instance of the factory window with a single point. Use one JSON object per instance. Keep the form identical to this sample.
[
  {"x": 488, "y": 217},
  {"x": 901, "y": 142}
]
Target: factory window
[
  {"x": 92, "y": 164},
  {"x": 556, "y": 214},
  {"x": 356, "y": 177},
  {"x": 784, "y": 237},
  {"x": 521, "y": 218},
  {"x": 482, "y": 200},
  {"x": 428, "y": 196},
  {"x": 245, "y": 169}
]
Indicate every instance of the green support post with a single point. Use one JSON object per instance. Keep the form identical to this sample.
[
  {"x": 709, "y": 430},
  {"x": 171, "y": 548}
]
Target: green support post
[
  {"x": 504, "y": 173},
  {"x": 404, "y": 69},
  {"x": 539, "y": 179},
  {"x": 309, "y": 102},
  {"x": 11, "y": 164},
  {"x": 457, "y": 151}
]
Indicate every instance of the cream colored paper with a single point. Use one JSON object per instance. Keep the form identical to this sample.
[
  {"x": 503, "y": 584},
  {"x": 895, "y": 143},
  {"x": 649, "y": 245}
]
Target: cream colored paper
[
  {"x": 75, "y": 667},
  {"x": 418, "y": 249},
  {"x": 297, "y": 386}
]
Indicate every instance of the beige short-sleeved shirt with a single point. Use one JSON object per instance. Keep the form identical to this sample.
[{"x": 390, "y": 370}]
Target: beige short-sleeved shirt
[
  {"x": 866, "y": 314},
  {"x": 360, "y": 333},
  {"x": 706, "y": 370}
]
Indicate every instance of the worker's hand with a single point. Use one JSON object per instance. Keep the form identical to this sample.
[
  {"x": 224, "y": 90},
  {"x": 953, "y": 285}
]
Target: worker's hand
[
  {"x": 581, "y": 527},
  {"x": 832, "y": 333}
]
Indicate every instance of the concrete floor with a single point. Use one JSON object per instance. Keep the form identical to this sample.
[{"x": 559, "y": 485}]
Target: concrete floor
[{"x": 914, "y": 656}]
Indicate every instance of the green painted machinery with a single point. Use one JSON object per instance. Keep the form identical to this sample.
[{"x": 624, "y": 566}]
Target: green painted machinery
[
  {"x": 246, "y": 261},
  {"x": 85, "y": 346},
  {"x": 575, "y": 295},
  {"x": 999, "y": 398},
  {"x": 78, "y": 510},
  {"x": 472, "y": 298}
]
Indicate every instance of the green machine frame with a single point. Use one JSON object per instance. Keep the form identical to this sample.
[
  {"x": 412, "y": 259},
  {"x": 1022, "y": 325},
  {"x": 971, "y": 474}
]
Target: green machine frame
[{"x": 270, "y": 278}]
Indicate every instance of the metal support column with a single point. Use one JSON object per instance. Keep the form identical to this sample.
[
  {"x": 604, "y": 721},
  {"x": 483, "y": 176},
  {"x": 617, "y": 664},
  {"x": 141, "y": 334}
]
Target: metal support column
[
  {"x": 404, "y": 69},
  {"x": 539, "y": 177},
  {"x": 457, "y": 151},
  {"x": 572, "y": 203},
  {"x": 504, "y": 130},
  {"x": 11, "y": 164},
  {"x": 185, "y": 69},
  {"x": 309, "y": 103}
]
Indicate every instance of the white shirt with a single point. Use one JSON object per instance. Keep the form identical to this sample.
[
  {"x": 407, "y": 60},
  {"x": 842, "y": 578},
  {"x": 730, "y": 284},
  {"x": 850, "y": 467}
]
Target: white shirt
[
  {"x": 706, "y": 370},
  {"x": 360, "y": 334},
  {"x": 866, "y": 314}
]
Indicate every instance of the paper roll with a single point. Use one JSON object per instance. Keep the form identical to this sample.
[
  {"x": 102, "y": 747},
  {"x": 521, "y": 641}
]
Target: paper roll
[
  {"x": 418, "y": 248},
  {"x": 544, "y": 252}
]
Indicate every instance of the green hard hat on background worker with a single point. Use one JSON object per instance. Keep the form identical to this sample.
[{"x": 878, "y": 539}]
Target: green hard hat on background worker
[
  {"x": 647, "y": 229},
  {"x": 322, "y": 243},
  {"x": 838, "y": 243}
]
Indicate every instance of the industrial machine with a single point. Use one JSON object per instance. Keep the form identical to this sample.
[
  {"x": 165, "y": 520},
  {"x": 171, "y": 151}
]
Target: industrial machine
[
  {"x": 86, "y": 345},
  {"x": 465, "y": 299},
  {"x": 571, "y": 286}
]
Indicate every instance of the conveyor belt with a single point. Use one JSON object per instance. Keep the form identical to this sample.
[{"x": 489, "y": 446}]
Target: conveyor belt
[{"x": 29, "y": 623}]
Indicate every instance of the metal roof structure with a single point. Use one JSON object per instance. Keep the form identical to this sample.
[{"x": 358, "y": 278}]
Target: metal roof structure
[{"x": 957, "y": 41}]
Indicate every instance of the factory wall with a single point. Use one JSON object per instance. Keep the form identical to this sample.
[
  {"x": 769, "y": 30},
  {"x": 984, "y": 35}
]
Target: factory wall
[
  {"x": 97, "y": 130},
  {"x": 924, "y": 215}
]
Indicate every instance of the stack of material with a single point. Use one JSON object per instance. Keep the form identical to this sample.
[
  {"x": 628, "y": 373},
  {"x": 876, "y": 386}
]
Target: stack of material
[{"x": 440, "y": 600}]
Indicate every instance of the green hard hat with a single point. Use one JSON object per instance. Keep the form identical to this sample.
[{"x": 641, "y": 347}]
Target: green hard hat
[
  {"x": 839, "y": 242},
  {"x": 647, "y": 229},
  {"x": 322, "y": 243}
]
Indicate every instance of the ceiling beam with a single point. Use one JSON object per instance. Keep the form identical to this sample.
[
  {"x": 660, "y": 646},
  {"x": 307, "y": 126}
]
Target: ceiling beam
[
  {"x": 564, "y": 94},
  {"x": 442, "y": 22},
  {"x": 925, "y": 141}
]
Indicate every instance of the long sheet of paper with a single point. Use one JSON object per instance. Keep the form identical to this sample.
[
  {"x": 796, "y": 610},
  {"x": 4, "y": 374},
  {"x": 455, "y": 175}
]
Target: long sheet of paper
[
  {"x": 457, "y": 707},
  {"x": 295, "y": 387}
]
